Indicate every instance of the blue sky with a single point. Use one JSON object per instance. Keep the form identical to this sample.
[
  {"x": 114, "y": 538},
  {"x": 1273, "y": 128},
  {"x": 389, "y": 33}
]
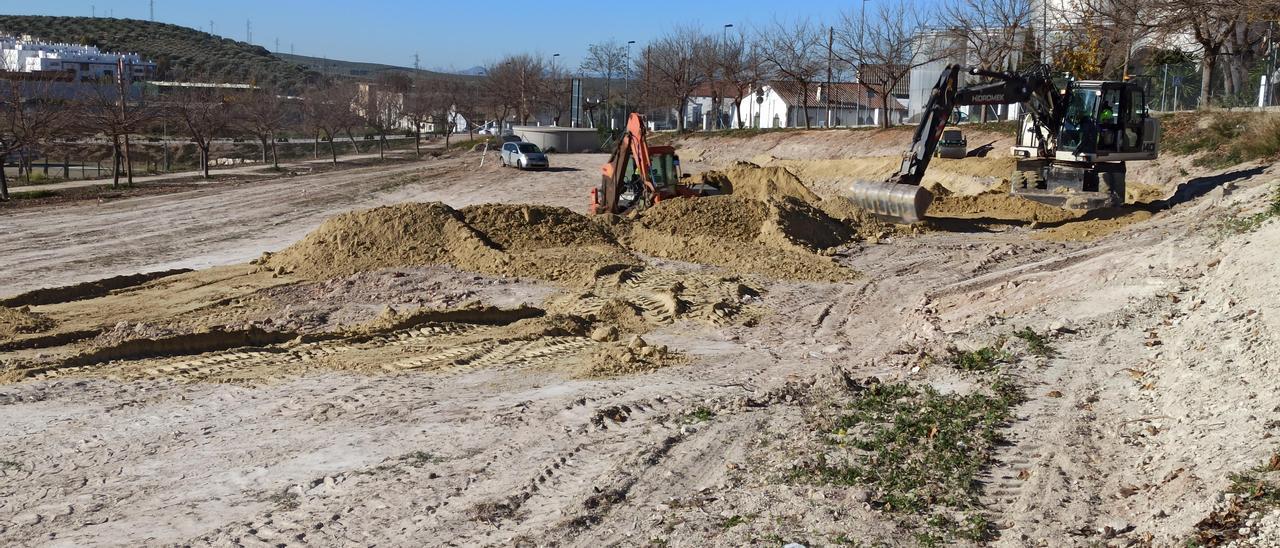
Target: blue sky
[{"x": 444, "y": 34}]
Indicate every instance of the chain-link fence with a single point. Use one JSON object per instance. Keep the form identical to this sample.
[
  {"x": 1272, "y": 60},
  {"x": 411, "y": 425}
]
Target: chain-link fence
[{"x": 1174, "y": 87}]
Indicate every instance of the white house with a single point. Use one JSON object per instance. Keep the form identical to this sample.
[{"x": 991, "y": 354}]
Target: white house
[
  {"x": 780, "y": 104},
  {"x": 712, "y": 106},
  {"x": 70, "y": 61},
  {"x": 458, "y": 120}
]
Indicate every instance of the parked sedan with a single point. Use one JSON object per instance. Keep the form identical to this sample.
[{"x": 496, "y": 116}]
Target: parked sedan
[{"x": 523, "y": 155}]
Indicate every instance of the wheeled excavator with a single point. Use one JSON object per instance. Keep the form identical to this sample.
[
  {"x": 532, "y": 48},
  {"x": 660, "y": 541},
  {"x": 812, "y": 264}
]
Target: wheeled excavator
[
  {"x": 638, "y": 175},
  {"x": 1070, "y": 152}
]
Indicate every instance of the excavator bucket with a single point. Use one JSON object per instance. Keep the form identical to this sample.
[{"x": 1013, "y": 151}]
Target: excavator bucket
[{"x": 895, "y": 202}]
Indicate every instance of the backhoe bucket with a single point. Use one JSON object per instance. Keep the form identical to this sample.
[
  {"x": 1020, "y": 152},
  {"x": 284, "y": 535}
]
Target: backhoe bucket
[{"x": 895, "y": 202}]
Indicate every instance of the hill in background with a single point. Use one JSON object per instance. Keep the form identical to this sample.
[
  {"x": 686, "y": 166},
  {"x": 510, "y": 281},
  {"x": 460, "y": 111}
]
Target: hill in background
[
  {"x": 181, "y": 53},
  {"x": 356, "y": 69}
]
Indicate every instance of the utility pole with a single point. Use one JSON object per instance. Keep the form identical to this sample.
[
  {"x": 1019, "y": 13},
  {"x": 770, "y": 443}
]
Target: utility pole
[
  {"x": 211, "y": 27},
  {"x": 248, "y": 31},
  {"x": 93, "y": 11},
  {"x": 415, "y": 62},
  {"x": 153, "y": 10},
  {"x": 277, "y": 50}
]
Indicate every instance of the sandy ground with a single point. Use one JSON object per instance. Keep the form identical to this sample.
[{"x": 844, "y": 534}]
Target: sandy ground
[{"x": 435, "y": 432}]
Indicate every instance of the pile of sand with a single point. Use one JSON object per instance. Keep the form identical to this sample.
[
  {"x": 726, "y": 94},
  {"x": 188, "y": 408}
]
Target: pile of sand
[
  {"x": 994, "y": 204},
  {"x": 540, "y": 242},
  {"x": 755, "y": 182},
  {"x": 624, "y": 358},
  {"x": 773, "y": 225},
  {"x": 18, "y": 321},
  {"x": 776, "y": 238},
  {"x": 1093, "y": 225},
  {"x": 778, "y": 183}
]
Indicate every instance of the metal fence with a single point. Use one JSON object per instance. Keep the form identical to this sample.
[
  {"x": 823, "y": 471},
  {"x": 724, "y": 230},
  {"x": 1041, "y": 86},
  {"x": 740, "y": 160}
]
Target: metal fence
[{"x": 1173, "y": 87}]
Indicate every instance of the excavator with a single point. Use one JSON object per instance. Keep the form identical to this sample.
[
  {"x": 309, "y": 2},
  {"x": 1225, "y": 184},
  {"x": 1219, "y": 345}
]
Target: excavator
[
  {"x": 638, "y": 175},
  {"x": 1070, "y": 152}
]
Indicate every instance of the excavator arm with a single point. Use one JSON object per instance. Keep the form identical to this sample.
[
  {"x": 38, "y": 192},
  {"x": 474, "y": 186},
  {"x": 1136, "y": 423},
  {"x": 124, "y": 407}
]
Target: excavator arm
[
  {"x": 614, "y": 176},
  {"x": 900, "y": 197}
]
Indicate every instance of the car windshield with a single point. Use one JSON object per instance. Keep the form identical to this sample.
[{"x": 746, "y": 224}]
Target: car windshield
[{"x": 529, "y": 147}]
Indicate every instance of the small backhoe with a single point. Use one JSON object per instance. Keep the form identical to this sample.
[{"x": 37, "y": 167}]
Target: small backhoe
[{"x": 638, "y": 175}]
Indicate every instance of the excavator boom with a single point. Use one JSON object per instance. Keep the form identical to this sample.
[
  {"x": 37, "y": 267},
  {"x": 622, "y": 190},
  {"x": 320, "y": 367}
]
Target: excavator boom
[{"x": 901, "y": 198}]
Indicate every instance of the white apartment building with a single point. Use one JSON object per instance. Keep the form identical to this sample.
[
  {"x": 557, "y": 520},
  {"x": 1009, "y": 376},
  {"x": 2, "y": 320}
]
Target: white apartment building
[{"x": 74, "y": 62}]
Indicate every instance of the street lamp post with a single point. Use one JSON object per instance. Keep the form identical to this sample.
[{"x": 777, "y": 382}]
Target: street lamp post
[
  {"x": 862, "y": 55},
  {"x": 554, "y": 74},
  {"x": 626, "y": 82},
  {"x": 724, "y": 41}
]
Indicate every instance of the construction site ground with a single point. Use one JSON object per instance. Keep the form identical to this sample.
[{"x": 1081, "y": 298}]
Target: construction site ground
[{"x": 271, "y": 363}]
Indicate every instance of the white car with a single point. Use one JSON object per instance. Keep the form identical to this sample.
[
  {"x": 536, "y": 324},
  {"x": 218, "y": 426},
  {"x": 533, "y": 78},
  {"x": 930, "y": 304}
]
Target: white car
[{"x": 523, "y": 155}]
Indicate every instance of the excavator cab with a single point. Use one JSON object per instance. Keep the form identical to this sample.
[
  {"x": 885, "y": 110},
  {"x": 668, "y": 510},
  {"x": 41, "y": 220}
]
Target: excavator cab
[
  {"x": 1104, "y": 125},
  {"x": 1107, "y": 121}
]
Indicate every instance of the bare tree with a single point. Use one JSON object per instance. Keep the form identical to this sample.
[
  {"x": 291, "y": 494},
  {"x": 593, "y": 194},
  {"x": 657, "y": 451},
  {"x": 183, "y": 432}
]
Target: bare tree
[
  {"x": 205, "y": 114},
  {"x": 738, "y": 64},
  {"x": 518, "y": 80},
  {"x": 417, "y": 110},
  {"x": 608, "y": 59},
  {"x": 262, "y": 114},
  {"x": 556, "y": 92},
  {"x": 674, "y": 61},
  {"x": 797, "y": 53},
  {"x": 384, "y": 111},
  {"x": 884, "y": 49},
  {"x": 497, "y": 99},
  {"x": 467, "y": 105},
  {"x": 328, "y": 110},
  {"x": 105, "y": 109},
  {"x": 1210, "y": 23},
  {"x": 29, "y": 116},
  {"x": 991, "y": 31},
  {"x": 444, "y": 94}
]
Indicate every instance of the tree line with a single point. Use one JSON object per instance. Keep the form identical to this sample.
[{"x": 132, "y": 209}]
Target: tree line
[{"x": 37, "y": 115}]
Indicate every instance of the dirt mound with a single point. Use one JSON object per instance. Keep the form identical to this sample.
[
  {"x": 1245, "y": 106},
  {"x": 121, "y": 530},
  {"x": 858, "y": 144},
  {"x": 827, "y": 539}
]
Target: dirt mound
[
  {"x": 776, "y": 238},
  {"x": 755, "y": 182},
  {"x": 732, "y": 217},
  {"x": 780, "y": 184},
  {"x": 635, "y": 355},
  {"x": 390, "y": 236},
  {"x": 533, "y": 227},
  {"x": 539, "y": 242},
  {"x": 801, "y": 223},
  {"x": 17, "y": 321},
  {"x": 1089, "y": 229},
  {"x": 994, "y": 204}
]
